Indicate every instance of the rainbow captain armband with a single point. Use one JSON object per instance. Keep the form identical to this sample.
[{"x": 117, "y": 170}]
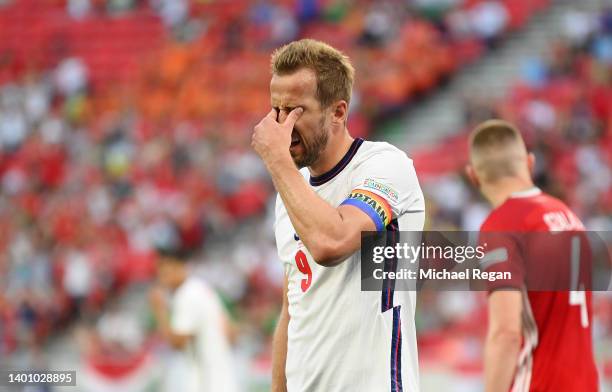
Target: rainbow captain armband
[{"x": 372, "y": 204}]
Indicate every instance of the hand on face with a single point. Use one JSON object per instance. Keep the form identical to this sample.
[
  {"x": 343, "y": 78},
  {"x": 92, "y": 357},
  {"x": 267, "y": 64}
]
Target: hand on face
[{"x": 271, "y": 139}]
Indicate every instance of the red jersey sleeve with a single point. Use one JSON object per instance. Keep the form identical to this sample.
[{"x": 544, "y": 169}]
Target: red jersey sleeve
[{"x": 503, "y": 254}]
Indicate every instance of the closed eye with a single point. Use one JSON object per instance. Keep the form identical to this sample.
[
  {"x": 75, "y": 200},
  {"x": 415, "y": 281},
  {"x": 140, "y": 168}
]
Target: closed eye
[{"x": 286, "y": 110}]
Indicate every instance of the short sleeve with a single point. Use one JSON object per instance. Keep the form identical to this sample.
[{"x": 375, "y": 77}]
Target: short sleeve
[
  {"x": 503, "y": 254},
  {"x": 184, "y": 318},
  {"x": 385, "y": 187}
]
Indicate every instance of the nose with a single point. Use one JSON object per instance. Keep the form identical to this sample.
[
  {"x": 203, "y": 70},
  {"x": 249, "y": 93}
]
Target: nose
[{"x": 282, "y": 116}]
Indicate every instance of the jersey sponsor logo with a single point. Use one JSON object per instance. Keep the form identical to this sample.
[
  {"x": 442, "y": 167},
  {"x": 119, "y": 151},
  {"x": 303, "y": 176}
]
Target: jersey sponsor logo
[
  {"x": 380, "y": 187},
  {"x": 377, "y": 204}
]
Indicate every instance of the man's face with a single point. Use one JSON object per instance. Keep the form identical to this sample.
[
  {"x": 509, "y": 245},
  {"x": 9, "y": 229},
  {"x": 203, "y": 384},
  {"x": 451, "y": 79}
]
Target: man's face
[
  {"x": 168, "y": 272},
  {"x": 311, "y": 132}
]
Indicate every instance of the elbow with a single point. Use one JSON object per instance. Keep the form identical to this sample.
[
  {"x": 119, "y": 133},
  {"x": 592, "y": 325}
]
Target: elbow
[
  {"x": 508, "y": 338},
  {"x": 179, "y": 342},
  {"x": 326, "y": 252},
  {"x": 324, "y": 256}
]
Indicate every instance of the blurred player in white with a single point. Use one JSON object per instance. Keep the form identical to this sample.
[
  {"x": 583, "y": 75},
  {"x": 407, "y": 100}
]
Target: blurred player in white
[
  {"x": 195, "y": 324},
  {"x": 332, "y": 336}
]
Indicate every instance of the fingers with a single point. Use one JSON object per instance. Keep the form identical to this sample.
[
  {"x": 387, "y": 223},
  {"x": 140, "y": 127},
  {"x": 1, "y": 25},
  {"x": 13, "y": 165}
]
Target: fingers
[
  {"x": 293, "y": 117},
  {"x": 272, "y": 114}
]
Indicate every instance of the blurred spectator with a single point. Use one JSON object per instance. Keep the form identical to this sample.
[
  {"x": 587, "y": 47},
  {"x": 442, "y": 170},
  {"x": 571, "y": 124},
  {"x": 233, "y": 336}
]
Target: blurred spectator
[
  {"x": 78, "y": 277},
  {"x": 489, "y": 20},
  {"x": 577, "y": 26},
  {"x": 172, "y": 12},
  {"x": 78, "y": 9},
  {"x": 71, "y": 77}
]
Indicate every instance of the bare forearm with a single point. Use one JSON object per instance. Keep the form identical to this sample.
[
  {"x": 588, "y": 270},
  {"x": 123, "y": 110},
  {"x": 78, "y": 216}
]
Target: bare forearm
[
  {"x": 313, "y": 218},
  {"x": 162, "y": 318},
  {"x": 279, "y": 355},
  {"x": 162, "y": 321},
  {"x": 501, "y": 354}
]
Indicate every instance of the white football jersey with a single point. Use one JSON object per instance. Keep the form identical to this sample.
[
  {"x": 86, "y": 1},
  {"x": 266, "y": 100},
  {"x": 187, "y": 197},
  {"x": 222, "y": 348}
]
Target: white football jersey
[
  {"x": 339, "y": 337},
  {"x": 206, "y": 364}
]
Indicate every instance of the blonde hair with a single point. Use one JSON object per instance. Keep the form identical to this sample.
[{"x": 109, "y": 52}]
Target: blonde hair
[
  {"x": 497, "y": 150},
  {"x": 332, "y": 68}
]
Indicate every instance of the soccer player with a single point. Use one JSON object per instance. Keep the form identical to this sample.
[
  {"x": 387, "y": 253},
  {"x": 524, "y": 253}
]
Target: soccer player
[
  {"x": 331, "y": 336},
  {"x": 536, "y": 340},
  {"x": 195, "y": 324}
]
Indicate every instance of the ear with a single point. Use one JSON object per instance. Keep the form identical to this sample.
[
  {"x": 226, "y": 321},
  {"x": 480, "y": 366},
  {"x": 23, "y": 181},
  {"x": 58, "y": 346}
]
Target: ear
[
  {"x": 471, "y": 175},
  {"x": 339, "y": 112},
  {"x": 531, "y": 161}
]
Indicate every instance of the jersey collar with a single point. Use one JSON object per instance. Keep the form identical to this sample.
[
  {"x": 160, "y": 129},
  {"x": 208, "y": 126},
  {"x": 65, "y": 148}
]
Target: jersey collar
[
  {"x": 526, "y": 193},
  {"x": 325, "y": 177}
]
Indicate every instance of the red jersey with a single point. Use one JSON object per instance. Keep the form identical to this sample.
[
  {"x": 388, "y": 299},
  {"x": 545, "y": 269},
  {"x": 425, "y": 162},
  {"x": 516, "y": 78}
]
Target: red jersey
[{"x": 556, "y": 353}]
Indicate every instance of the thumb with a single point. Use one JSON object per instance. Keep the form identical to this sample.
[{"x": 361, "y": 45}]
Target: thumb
[{"x": 293, "y": 117}]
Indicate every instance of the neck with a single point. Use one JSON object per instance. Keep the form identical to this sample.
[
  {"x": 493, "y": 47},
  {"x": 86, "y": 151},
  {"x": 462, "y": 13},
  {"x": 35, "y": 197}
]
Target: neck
[
  {"x": 181, "y": 278},
  {"x": 499, "y": 191},
  {"x": 332, "y": 154}
]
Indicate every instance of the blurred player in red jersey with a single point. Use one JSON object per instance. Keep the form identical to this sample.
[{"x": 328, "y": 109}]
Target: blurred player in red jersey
[{"x": 536, "y": 340}]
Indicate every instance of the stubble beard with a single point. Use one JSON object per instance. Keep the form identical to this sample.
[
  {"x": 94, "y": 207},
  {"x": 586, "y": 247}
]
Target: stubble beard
[{"x": 313, "y": 148}]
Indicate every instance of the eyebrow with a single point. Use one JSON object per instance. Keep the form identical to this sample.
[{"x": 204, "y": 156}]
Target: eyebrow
[{"x": 288, "y": 107}]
